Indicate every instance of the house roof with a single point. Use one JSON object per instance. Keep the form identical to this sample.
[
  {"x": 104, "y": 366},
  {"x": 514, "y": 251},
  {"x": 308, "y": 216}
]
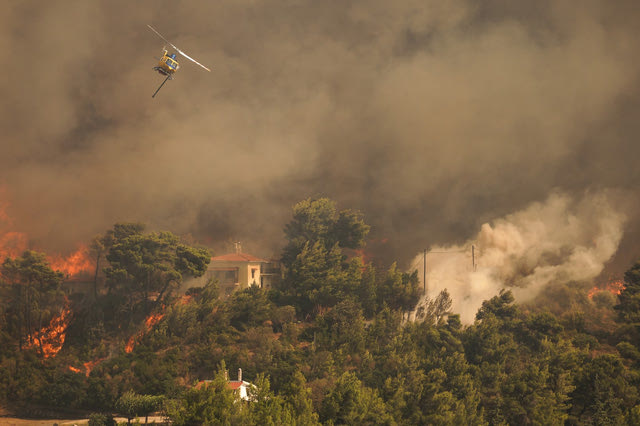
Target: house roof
[
  {"x": 237, "y": 257},
  {"x": 231, "y": 384},
  {"x": 234, "y": 384}
]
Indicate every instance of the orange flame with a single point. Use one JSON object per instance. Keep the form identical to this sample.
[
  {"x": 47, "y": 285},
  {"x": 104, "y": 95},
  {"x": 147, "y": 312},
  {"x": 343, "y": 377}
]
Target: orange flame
[
  {"x": 151, "y": 320},
  {"x": 614, "y": 286},
  {"x": 88, "y": 366},
  {"x": 51, "y": 338},
  {"x": 130, "y": 344},
  {"x": 12, "y": 244},
  {"x": 75, "y": 263}
]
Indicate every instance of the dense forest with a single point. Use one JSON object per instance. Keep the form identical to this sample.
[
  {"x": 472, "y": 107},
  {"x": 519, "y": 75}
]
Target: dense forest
[{"x": 332, "y": 343}]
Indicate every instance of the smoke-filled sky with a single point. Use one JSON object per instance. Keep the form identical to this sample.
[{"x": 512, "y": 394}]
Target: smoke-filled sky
[{"x": 430, "y": 117}]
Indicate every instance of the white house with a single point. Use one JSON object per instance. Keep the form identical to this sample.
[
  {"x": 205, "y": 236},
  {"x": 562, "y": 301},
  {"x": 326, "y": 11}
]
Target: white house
[{"x": 240, "y": 387}]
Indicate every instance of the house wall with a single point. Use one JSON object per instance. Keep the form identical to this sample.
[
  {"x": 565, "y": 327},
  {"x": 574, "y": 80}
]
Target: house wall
[{"x": 245, "y": 276}]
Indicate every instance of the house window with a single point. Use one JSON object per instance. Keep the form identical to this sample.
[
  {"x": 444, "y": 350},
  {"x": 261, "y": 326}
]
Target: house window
[
  {"x": 226, "y": 276},
  {"x": 253, "y": 272}
]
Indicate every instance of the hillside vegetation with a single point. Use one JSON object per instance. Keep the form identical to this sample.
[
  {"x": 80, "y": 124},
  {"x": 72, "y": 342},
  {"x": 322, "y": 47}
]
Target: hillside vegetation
[{"x": 330, "y": 344}]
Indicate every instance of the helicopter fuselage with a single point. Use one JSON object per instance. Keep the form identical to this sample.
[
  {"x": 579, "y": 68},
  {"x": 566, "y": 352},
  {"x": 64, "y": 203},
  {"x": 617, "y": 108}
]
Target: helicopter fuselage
[{"x": 167, "y": 65}]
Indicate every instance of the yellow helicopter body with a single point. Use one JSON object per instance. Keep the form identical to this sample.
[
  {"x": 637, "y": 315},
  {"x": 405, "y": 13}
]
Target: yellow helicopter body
[{"x": 168, "y": 64}]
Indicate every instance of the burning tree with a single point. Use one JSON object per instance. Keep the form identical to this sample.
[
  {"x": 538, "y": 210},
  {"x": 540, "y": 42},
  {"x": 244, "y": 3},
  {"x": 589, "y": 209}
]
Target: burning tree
[{"x": 32, "y": 296}]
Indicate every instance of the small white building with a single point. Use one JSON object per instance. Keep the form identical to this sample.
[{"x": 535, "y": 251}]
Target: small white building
[{"x": 240, "y": 387}]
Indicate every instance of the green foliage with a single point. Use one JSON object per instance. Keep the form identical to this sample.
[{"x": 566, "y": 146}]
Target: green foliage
[
  {"x": 266, "y": 408},
  {"x": 399, "y": 290},
  {"x": 341, "y": 328},
  {"x": 434, "y": 311},
  {"x": 331, "y": 345},
  {"x": 316, "y": 274},
  {"x": 318, "y": 278},
  {"x": 605, "y": 391},
  {"x": 350, "y": 402},
  {"x": 141, "y": 264},
  {"x": 132, "y": 405},
  {"x": 31, "y": 296},
  {"x": 297, "y": 395},
  {"x": 317, "y": 221},
  {"x": 629, "y": 299},
  {"x": 100, "y": 419},
  {"x": 249, "y": 308},
  {"x": 209, "y": 403}
]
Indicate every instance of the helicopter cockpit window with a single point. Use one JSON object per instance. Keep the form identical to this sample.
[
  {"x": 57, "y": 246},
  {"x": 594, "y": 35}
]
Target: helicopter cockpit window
[{"x": 170, "y": 63}]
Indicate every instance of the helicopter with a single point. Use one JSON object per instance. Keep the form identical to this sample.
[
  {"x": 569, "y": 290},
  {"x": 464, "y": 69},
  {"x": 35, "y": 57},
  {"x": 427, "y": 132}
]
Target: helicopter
[{"x": 168, "y": 64}]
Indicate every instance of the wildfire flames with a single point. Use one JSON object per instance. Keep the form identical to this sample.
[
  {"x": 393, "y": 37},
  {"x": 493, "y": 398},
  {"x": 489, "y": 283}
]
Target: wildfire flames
[
  {"x": 151, "y": 320},
  {"x": 88, "y": 366},
  {"x": 51, "y": 338},
  {"x": 13, "y": 244},
  {"x": 613, "y": 286},
  {"x": 75, "y": 263}
]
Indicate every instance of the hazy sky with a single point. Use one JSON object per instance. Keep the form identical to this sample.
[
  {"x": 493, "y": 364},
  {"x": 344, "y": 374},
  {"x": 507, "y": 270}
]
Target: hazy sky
[{"x": 430, "y": 117}]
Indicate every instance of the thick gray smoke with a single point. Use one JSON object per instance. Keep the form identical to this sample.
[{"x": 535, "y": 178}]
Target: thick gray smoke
[
  {"x": 431, "y": 117},
  {"x": 555, "y": 241}
]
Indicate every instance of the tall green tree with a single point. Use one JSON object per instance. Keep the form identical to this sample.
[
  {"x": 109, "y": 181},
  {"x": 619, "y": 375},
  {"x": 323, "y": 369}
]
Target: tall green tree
[
  {"x": 34, "y": 294},
  {"x": 141, "y": 264},
  {"x": 132, "y": 405},
  {"x": 267, "y": 408},
  {"x": 298, "y": 394},
  {"x": 605, "y": 393},
  {"x": 350, "y": 403},
  {"x": 317, "y": 274},
  {"x": 399, "y": 290},
  {"x": 319, "y": 221},
  {"x": 518, "y": 357},
  {"x": 628, "y": 306}
]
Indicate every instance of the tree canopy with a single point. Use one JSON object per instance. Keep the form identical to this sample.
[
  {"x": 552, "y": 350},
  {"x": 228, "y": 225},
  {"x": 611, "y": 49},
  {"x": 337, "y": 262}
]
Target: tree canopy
[{"x": 332, "y": 344}]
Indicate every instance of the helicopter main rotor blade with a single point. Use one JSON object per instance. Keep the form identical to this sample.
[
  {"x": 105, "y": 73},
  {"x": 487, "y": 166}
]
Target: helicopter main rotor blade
[{"x": 175, "y": 47}]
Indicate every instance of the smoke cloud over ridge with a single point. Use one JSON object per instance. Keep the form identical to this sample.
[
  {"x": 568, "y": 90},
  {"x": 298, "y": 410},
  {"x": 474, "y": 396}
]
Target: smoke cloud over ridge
[
  {"x": 555, "y": 241},
  {"x": 430, "y": 117}
]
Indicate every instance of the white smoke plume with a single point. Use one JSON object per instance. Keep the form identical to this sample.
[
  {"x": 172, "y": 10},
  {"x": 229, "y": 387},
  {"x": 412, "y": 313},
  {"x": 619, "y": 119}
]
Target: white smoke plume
[{"x": 558, "y": 240}]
